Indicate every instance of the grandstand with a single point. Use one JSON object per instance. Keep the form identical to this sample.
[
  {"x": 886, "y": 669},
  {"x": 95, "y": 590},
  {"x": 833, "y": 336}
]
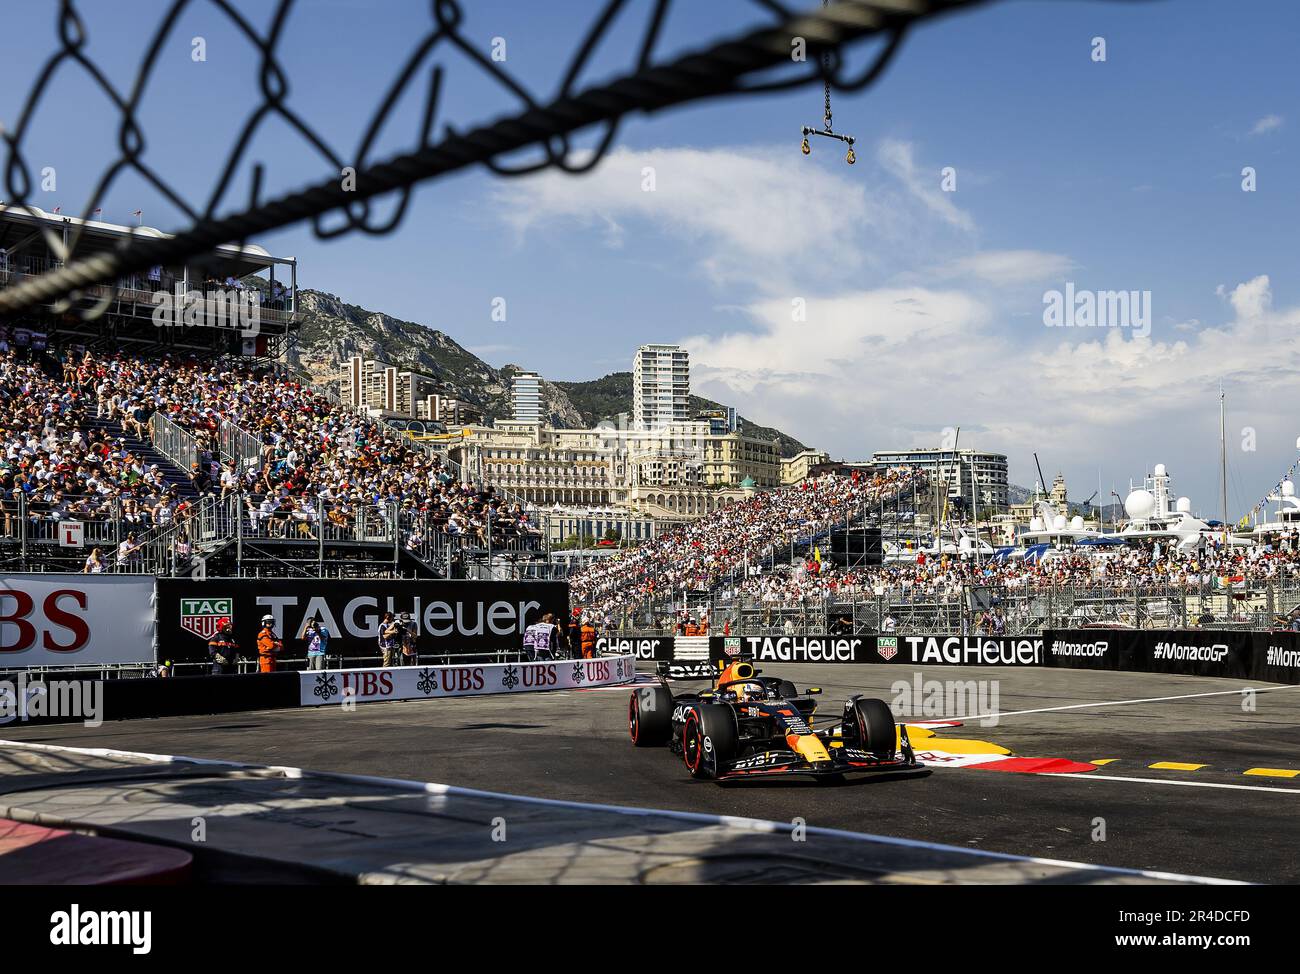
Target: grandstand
[
  {"x": 189, "y": 449},
  {"x": 664, "y": 577}
]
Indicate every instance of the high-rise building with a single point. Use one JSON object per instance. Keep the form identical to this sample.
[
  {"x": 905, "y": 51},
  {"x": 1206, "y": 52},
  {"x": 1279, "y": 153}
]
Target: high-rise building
[
  {"x": 978, "y": 480},
  {"x": 526, "y": 396},
  {"x": 377, "y": 386},
  {"x": 661, "y": 386}
]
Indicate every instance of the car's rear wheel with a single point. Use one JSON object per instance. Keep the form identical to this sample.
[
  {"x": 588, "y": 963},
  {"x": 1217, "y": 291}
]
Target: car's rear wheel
[
  {"x": 709, "y": 740},
  {"x": 877, "y": 734},
  {"x": 650, "y": 716}
]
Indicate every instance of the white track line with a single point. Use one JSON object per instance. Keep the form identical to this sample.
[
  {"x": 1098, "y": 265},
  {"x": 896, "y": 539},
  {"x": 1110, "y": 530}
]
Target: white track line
[
  {"x": 1123, "y": 703},
  {"x": 733, "y": 821},
  {"x": 1093, "y": 776}
]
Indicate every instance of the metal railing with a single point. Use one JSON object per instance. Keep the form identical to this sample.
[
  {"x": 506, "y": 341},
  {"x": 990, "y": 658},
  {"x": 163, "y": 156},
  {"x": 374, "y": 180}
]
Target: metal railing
[
  {"x": 173, "y": 442},
  {"x": 236, "y": 443},
  {"x": 1021, "y": 611}
]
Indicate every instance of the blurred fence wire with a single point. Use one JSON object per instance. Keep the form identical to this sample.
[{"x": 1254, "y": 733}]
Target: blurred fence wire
[{"x": 760, "y": 59}]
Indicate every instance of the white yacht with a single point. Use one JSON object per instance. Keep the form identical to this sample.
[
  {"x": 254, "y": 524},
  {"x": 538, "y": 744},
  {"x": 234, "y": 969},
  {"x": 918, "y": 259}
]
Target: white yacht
[{"x": 1287, "y": 515}]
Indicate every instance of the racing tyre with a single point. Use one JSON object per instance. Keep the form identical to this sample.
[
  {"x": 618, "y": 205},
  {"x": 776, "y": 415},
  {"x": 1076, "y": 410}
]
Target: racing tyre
[
  {"x": 877, "y": 734},
  {"x": 709, "y": 739},
  {"x": 650, "y": 716}
]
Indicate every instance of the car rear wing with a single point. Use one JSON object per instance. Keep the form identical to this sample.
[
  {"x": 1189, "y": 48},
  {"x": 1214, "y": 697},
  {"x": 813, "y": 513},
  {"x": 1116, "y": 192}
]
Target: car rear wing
[{"x": 687, "y": 669}]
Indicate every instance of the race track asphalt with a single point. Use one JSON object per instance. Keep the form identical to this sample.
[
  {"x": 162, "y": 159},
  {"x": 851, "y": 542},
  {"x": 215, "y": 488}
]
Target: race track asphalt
[{"x": 1212, "y": 820}]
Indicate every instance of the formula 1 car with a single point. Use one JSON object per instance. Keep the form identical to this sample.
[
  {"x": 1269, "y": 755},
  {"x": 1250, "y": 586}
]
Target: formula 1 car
[{"x": 750, "y": 726}]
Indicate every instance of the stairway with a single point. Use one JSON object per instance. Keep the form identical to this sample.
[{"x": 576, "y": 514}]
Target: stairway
[{"x": 172, "y": 474}]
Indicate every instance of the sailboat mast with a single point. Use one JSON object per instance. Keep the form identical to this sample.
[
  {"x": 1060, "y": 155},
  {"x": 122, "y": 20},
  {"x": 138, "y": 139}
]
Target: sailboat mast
[{"x": 1223, "y": 462}]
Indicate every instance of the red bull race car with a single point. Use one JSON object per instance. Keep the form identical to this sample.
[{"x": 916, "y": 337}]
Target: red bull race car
[{"x": 749, "y": 726}]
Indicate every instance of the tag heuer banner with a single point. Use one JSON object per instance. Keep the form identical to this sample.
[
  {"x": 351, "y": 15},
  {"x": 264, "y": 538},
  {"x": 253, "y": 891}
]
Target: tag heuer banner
[{"x": 451, "y": 618}]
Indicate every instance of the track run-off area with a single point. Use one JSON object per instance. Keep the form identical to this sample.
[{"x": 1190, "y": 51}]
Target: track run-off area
[{"x": 1192, "y": 775}]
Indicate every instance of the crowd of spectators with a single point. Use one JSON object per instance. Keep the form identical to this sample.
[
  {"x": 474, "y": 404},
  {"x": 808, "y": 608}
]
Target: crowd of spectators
[
  {"x": 54, "y": 466},
  {"x": 319, "y": 459},
  {"x": 728, "y": 543},
  {"x": 1146, "y": 567}
]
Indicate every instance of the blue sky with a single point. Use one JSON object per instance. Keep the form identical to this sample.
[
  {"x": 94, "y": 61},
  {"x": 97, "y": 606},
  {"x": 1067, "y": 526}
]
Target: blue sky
[{"x": 923, "y": 308}]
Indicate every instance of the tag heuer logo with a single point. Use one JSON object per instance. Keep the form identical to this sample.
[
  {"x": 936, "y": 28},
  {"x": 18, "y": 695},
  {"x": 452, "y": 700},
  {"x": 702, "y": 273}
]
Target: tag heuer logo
[
  {"x": 887, "y": 647},
  {"x": 204, "y": 617},
  {"x": 731, "y": 646}
]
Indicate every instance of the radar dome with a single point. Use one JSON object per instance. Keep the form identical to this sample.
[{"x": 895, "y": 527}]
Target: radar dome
[
  {"x": 1076, "y": 523},
  {"x": 1288, "y": 489},
  {"x": 1160, "y": 470},
  {"x": 1035, "y": 524},
  {"x": 1184, "y": 505},
  {"x": 1058, "y": 523},
  {"x": 1140, "y": 504}
]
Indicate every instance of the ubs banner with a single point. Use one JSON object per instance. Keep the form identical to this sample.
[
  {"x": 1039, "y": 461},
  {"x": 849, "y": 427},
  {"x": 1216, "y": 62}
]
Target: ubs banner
[
  {"x": 1269, "y": 656},
  {"x": 75, "y": 620},
  {"x": 423, "y": 682},
  {"x": 451, "y": 617}
]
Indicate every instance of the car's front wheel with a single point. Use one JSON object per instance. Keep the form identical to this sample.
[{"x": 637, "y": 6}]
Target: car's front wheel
[
  {"x": 877, "y": 733},
  {"x": 710, "y": 740}
]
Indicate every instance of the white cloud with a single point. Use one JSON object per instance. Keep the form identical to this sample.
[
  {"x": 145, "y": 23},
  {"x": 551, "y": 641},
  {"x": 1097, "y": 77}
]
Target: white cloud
[
  {"x": 1252, "y": 298},
  {"x": 1010, "y": 266},
  {"x": 749, "y": 213},
  {"x": 890, "y": 368},
  {"x": 897, "y": 158},
  {"x": 1266, "y": 124}
]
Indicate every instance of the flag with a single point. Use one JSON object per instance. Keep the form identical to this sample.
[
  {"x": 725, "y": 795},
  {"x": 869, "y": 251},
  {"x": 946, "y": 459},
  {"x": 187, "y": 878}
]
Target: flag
[{"x": 817, "y": 555}]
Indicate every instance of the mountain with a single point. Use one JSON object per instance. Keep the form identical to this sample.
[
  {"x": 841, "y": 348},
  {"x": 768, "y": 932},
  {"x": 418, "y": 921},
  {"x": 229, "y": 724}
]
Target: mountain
[
  {"x": 332, "y": 331},
  {"x": 606, "y": 397}
]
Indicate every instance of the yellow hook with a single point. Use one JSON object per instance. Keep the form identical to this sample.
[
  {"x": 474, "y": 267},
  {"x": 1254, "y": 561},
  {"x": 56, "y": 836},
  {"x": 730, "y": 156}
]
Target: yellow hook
[
  {"x": 805, "y": 147},
  {"x": 850, "y": 158}
]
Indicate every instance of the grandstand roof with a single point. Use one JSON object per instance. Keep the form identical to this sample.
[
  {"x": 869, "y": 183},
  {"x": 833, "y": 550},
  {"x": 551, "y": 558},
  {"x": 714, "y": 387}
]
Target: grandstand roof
[{"x": 98, "y": 235}]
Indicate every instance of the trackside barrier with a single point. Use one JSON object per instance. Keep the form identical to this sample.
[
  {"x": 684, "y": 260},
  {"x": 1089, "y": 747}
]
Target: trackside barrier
[
  {"x": 879, "y": 648},
  {"x": 1272, "y": 656},
  {"x": 134, "y": 699},
  {"x": 1267, "y": 656},
  {"x": 423, "y": 682}
]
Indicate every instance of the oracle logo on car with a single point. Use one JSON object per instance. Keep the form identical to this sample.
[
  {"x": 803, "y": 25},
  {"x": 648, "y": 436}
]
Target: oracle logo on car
[{"x": 58, "y": 626}]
